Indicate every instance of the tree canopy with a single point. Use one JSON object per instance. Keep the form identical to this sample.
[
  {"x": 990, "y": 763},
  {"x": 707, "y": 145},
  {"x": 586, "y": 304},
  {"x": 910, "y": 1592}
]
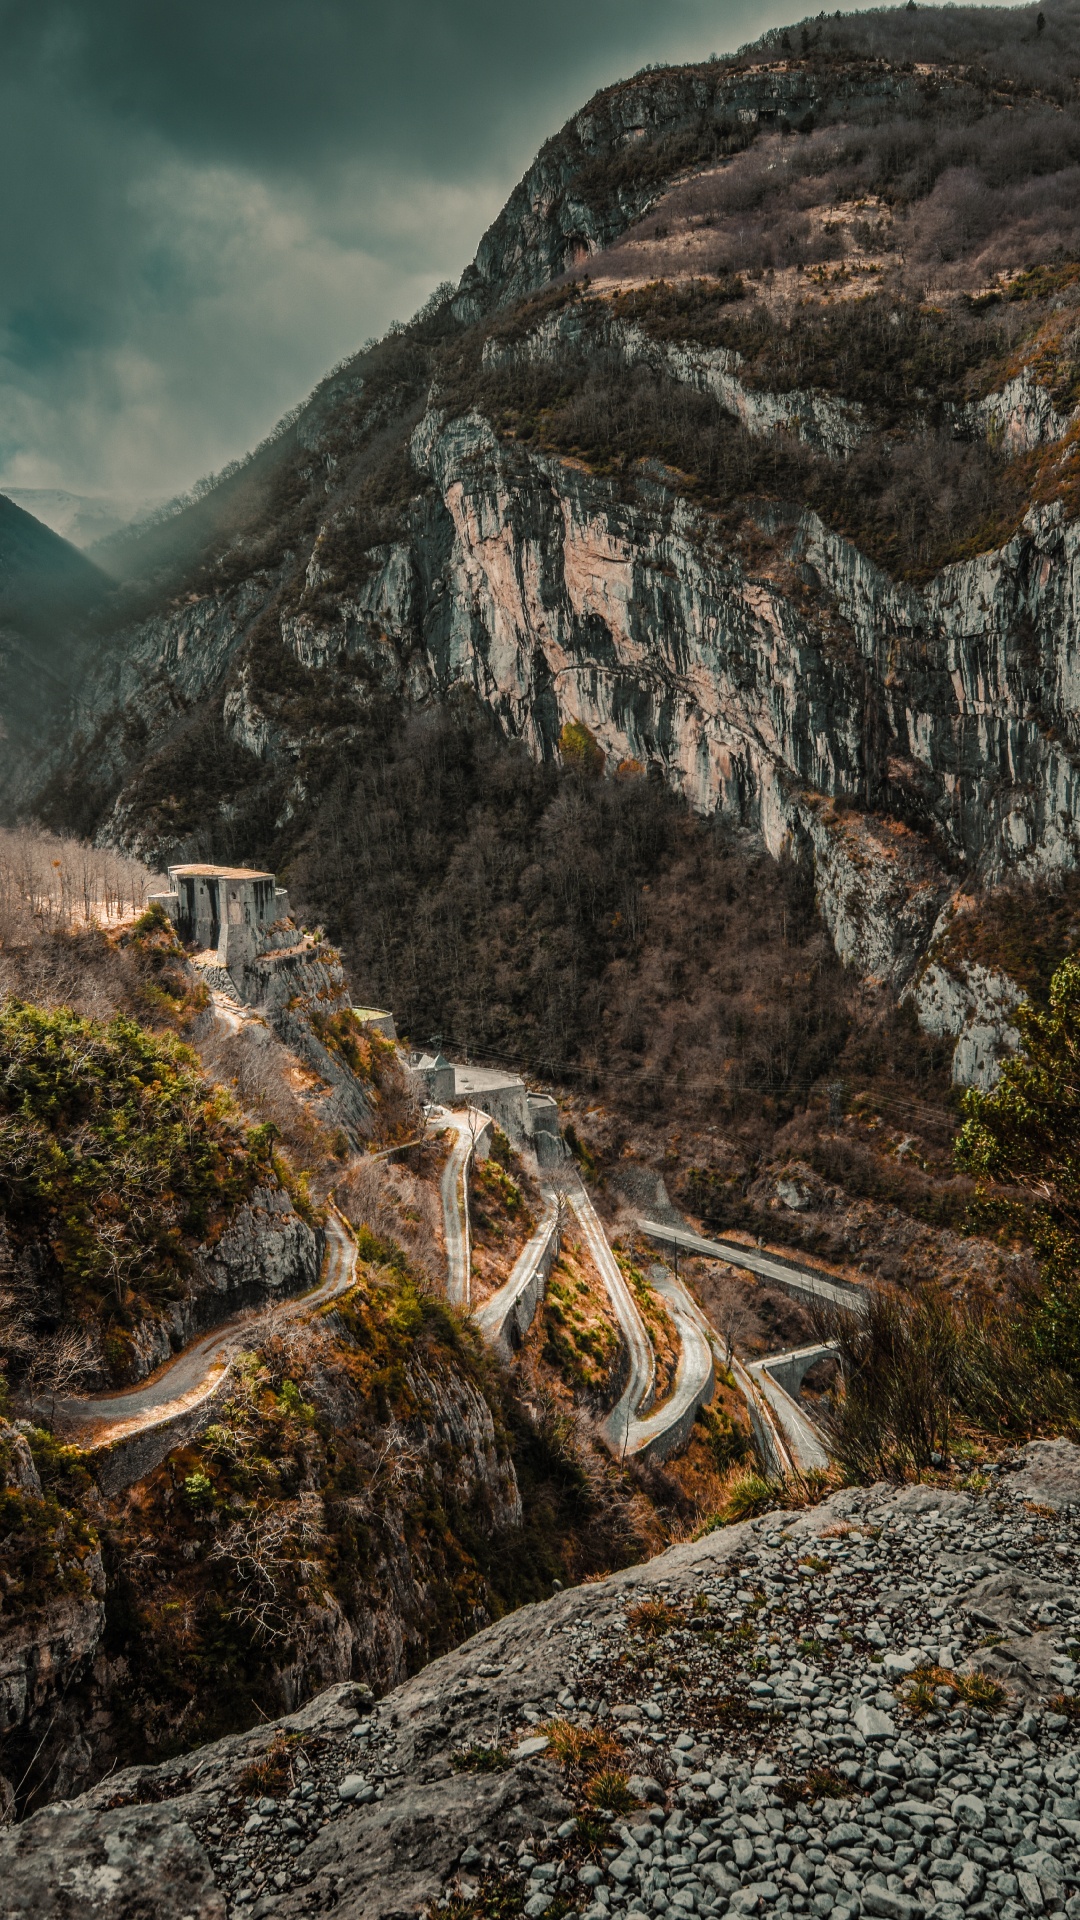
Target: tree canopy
[{"x": 1021, "y": 1141}]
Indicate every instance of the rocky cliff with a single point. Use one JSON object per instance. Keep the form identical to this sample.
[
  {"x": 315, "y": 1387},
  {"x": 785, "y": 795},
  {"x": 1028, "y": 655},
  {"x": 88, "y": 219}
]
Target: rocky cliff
[
  {"x": 657, "y": 1743},
  {"x": 772, "y": 494},
  {"x": 113, "y": 1605}
]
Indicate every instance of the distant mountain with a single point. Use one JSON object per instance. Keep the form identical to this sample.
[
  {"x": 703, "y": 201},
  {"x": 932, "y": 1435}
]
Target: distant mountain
[
  {"x": 47, "y": 591},
  {"x": 79, "y": 517}
]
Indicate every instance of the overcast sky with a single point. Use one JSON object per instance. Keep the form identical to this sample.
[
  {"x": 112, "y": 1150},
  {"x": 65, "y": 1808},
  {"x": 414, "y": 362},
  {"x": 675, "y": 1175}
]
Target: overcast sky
[{"x": 209, "y": 202}]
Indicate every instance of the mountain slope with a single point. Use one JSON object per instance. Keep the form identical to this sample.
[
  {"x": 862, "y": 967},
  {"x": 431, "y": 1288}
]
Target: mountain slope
[
  {"x": 745, "y": 445},
  {"x": 47, "y": 587}
]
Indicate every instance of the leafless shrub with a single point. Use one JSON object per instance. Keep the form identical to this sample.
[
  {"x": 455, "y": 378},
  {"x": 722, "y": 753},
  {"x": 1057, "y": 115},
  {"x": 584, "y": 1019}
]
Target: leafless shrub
[
  {"x": 395, "y": 1204},
  {"x": 259, "y": 1070},
  {"x": 293, "y": 1349},
  {"x": 45, "y": 1365},
  {"x": 16, "y": 1330},
  {"x": 915, "y": 1367},
  {"x": 731, "y": 1312},
  {"x": 59, "y": 1363},
  {"x": 268, "y": 1554}
]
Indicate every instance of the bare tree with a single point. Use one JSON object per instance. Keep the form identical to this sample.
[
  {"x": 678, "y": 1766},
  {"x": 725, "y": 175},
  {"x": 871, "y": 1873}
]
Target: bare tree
[
  {"x": 48, "y": 882},
  {"x": 58, "y": 1363},
  {"x": 731, "y": 1312},
  {"x": 268, "y": 1554},
  {"x": 560, "y": 1181}
]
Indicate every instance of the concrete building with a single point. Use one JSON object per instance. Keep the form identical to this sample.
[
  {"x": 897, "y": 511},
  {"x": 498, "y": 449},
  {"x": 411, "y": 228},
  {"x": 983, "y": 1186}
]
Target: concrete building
[
  {"x": 503, "y": 1095},
  {"x": 437, "y": 1075},
  {"x": 527, "y": 1119},
  {"x": 378, "y": 1017},
  {"x": 224, "y": 911}
]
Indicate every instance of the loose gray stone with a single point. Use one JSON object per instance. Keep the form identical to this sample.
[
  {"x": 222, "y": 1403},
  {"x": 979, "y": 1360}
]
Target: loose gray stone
[
  {"x": 969, "y": 1811},
  {"x": 872, "y": 1724}
]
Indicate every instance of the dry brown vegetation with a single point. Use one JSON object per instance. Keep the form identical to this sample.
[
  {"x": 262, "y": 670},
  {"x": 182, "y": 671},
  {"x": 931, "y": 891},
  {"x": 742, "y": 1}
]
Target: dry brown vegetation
[
  {"x": 936, "y": 202},
  {"x": 504, "y": 1206},
  {"x": 576, "y": 1334},
  {"x": 400, "y": 1206}
]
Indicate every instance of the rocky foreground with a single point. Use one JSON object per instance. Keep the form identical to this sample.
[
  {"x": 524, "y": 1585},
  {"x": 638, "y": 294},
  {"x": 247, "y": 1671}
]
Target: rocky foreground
[{"x": 862, "y": 1708}]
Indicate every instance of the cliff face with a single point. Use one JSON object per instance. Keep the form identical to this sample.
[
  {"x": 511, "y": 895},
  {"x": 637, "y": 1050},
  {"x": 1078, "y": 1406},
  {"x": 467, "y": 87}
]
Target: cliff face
[
  {"x": 610, "y": 161},
  {"x": 904, "y": 737},
  {"x": 378, "y": 1589},
  {"x": 811, "y": 657}
]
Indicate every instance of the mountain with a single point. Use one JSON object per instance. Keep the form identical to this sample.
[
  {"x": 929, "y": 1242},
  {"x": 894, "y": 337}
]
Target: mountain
[
  {"x": 84, "y": 519},
  {"x": 744, "y": 451},
  {"x": 47, "y": 588}
]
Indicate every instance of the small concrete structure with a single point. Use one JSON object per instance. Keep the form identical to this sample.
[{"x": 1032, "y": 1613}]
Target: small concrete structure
[
  {"x": 224, "y": 911},
  {"x": 437, "y": 1075},
  {"x": 789, "y": 1370},
  {"x": 544, "y": 1127},
  {"x": 502, "y": 1095},
  {"x": 527, "y": 1119},
  {"x": 378, "y": 1017}
]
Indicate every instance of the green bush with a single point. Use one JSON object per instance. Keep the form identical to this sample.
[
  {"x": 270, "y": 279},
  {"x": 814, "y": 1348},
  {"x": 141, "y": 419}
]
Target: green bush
[
  {"x": 1021, "y": 1141},
  {"x": 114, "y": 1149}
]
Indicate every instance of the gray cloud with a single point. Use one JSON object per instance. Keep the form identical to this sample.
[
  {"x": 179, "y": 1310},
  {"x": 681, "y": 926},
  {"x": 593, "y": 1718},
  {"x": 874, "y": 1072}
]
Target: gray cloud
[{"x": 209, "y": 204}]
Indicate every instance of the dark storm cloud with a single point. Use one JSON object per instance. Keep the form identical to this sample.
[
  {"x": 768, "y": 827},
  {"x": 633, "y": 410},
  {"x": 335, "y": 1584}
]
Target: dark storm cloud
[{"x": 207, "y": 203}]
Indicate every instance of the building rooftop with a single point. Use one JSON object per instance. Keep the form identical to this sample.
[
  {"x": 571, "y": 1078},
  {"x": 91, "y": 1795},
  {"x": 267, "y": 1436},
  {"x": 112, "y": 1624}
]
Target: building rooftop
[
  {"x": 220, "y": 873},
  {"x": 484, "y": 1079}
]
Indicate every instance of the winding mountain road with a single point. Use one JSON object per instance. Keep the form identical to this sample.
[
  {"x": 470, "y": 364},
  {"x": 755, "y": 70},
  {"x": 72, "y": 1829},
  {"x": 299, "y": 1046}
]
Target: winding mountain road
[
  {"x": 619, "y": 1428},
  {"x": 505, "y": 1318},
  {"x": 662, "y": 1431},
  {"x": 180, "y": 1385},
  {"x": 806, "y": 1283},
  {"x": 453, "y": 1192}
]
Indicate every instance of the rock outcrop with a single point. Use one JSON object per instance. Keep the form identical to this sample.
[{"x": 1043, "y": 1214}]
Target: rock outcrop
[
  {"x": 974, "y": 1005},
  {"x": 817, "y": 1770}
]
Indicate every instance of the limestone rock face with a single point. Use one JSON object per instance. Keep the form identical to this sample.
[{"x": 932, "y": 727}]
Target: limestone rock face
[
  {"x": 266, "y": 1253},
  {"x": 974, "y": 1004},
  {"x": 898, "y": 737},
  {"x": 904, "y": 739},
  {"x": 41, "y": 1650},
  {"x": 138, "y": 1863},
  {"x": 50, "y": 1631}
]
